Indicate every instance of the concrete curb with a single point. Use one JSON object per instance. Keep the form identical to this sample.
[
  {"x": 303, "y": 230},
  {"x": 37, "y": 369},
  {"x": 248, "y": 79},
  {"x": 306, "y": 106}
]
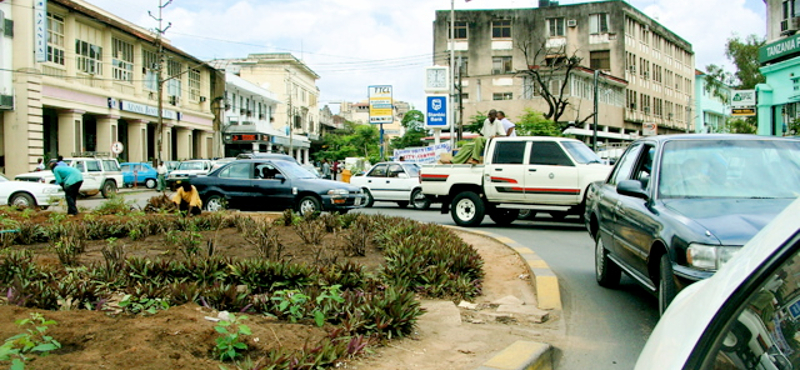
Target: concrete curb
[{"x": 526, "y": 355}]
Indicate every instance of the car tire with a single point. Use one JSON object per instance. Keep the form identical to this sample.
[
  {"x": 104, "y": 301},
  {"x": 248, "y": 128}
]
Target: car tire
[
  {"x": 308, "y": 205},
  {"x": 419, "y": 200},
  {"x": 109, "y": 189},
  {"x": 503, "y": 216},
  {"x": 666, "y": 284},
  {"x": 22, "y": 200},
  {"x": 606, "y": 271},
  {"x": 467, "y": 209},
  {"x": 402, "y": 204},
  {"x": 526, "y": 214},
  {"x": 370, "y": 200},
  {"x": 215, "y": 203},
  {"x": 150, "y": 183}
]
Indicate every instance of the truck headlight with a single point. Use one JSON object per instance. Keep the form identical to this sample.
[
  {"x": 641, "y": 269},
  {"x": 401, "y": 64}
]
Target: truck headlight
[
  {"x": 338, "y": 192},
  {"x": 709, "y": 257}
]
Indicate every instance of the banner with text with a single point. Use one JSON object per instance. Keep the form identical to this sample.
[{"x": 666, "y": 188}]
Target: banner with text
[{"x": 428, "y": 154}]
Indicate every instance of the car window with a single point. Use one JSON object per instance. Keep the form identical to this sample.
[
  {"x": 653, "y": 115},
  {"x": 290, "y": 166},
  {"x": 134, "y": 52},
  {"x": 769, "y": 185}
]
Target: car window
[
  {"x": 80, "y": 166},
  {"x": 236, "y": 171},
  {"x": 126, "y": 167},
  {"x": 395, "y": 170},
  {"x": 581, "y": 153},
  {"x": 548, "y": 154},
  {"x": 644, "y": 166},
  {"x": 623, "y": 168},
  {"x": 110, "y": 165},
  {"x": 761, "y": 324},
  {"x": 265, "y": 171},
  {"x": 509, "y": 152},
  {"x": 412, "y": 169},
  {"x": 137, "y": 167},
  {"x": 94, "y": 166},
  {"x": 378, "y": 171}
]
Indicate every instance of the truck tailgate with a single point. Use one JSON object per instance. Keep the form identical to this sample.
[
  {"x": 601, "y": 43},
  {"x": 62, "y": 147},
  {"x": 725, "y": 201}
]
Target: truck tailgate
[{"x": 437, "y": 179}]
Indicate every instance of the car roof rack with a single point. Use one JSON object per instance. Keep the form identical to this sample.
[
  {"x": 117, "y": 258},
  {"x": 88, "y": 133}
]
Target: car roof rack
[{"x": 92, "y": 154}]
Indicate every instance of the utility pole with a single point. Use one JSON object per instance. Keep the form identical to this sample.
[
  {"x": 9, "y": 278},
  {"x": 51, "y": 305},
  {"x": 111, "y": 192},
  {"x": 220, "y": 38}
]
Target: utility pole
[
  {"x": 159, "y": 76},
  {"x": 460, "y": 133},
  {"x": 450, "y": 78},
  {"x": 594, "y": 122},
  {"x": 290, "y": 113}
]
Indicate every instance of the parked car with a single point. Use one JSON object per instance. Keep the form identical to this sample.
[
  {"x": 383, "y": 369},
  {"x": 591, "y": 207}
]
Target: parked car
[
  {"x": 144, "y": 174},
  {"x": 186, "y": 169},
  {"x": 100, "y": 175},
  {"x": 172, "y": 165},
  {"x": 274, "y": 185},
  {"x": 28, "y": 194},
  {"x": 677, "y": 207},
  {"x": 746, "y": 316},
  {"x": 393, "y": 182}
]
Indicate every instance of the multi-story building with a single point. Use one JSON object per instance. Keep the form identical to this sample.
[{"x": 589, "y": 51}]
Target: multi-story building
[
  {"x": 250, "y": 110},
  {"x": 648, "y": 69},
  {"x": 298, "y": 114},
  {"x": 712, "y": 110},
  {"x": 779, "y": 98},
  {"x": 89, "y": 79}
]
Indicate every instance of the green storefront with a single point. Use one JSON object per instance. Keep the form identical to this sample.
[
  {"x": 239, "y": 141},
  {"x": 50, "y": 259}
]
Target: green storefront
[{"x": 779, "y": 97}]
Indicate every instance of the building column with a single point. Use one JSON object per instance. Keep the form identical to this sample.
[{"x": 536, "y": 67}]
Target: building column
[
  {"x": 305, "y": 155},
  {"x": 70, "y": 132},
  {"x": 269, "y": 146},
  {"x": 206, "y": 144},
  {"x": 137, "y": 141},
  {"x": 166, "y": 142},
  {"x": 297, "y": 154},
  {"x": 184, "y": 143},
  {"x": 255, "y": 147},
  {"x": 106, "y": 132},
  {"x": 766, "y": 115}
]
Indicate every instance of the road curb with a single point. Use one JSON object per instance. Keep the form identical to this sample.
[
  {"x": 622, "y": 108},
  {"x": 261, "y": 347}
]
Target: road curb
[{"x": 526, "y": 355}]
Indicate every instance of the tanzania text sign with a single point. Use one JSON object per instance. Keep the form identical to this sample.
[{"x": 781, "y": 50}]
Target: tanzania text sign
[{"x": 380, "y": 104}]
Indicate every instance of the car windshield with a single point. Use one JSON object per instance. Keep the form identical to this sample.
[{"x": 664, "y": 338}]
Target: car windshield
[
  {"x": 581, "y": 153},
  {"x": 191, "y": 166},
  {"x": 730, "y": 169},
  {"x": 412, "y": 169},
  {"x": 293, "y": 170}
]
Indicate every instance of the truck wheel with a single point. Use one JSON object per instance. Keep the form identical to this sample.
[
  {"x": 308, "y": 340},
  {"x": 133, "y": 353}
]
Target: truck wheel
[
  {"x": 503, "y": 216},
  {"x": 419, "y": 200},
  {"x": 467, "y": 209},
  {"x": 109, "y": 189}
]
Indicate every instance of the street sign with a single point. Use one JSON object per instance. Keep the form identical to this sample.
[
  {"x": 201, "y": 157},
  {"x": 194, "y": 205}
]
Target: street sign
[
  {"x": 743, "y": 98},
  {"x": 117, "y": 147},
  {"x": 380, "y": 104},
  {"x": 436, "y": 112},
  {"x": 649, "y": 129},
  {"x": 743, "y": 112}
]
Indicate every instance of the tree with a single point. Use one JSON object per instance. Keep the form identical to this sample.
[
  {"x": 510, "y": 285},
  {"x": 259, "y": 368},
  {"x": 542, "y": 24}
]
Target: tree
[
  {"x": 534, "y": 123},
  {"x": 413, "y": 122},
  {"x": 354, "y": 140}
]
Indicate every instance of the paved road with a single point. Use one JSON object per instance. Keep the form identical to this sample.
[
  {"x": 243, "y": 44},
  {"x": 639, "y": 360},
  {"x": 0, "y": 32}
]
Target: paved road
[{"x": 602, "y": 328}]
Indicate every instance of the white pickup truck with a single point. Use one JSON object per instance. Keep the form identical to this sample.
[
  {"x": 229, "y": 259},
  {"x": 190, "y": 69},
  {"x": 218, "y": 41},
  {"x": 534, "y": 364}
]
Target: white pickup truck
[
  {"x": 547, "y": 174},
  {"x": 100, "y": 175}
]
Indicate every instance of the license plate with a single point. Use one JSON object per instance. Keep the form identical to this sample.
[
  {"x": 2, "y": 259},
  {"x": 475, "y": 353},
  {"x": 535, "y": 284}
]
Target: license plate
[{"x": 358, "y": 201}]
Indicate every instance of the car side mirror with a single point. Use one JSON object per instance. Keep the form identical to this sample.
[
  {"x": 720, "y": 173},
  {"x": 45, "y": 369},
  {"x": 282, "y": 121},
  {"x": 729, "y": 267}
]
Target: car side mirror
[
  {"x": 279, "y": 176},
  {"x": 632, "y": 188}
]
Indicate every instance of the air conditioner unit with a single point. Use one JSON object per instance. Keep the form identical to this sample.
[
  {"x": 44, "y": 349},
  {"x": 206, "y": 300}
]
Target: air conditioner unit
[
  {"x": 173, "y": 100},
  {"x": 632, "y": 68},
  {"x": 203, "y": 99},
  {"x": 646, "y": 109},
  {"x": 572, "y": 23},
  {"x": 646, "y": 27}
]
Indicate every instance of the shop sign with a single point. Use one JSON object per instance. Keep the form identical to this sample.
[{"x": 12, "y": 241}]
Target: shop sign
[
  {"x": 779, "y": 49},
  {"x": 381, "y": 104},
  {"x": 743, "y": 112},
  {"x": 147, "y": 110},
  {"x": 40, "y": 30},
  {"x": 249, "y": 137}
]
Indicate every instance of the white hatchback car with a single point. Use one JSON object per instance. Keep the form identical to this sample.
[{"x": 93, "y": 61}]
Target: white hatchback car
[
  {"x": 393, "y": 182},
  {"x": 746, "y": 316},
  {"x": 28, "y": 194}
]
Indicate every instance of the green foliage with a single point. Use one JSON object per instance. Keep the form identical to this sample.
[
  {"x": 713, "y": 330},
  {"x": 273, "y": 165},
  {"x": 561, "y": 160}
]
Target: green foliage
[
  {"x": 33, "y": 340},
  {"x": 143, "y": 305},
  {"x": 413, "y": 122},
  {"x": 294, "y": 304},
  {"x": 475, "y": 122},
  {"x": 230, "y": 344},
  {"x": 533, "y": 123},
  {"x": 743, "y": 54},
  {"x": 738, "y": 125},
  {"x": 115, "y": 205},
  {"x": 354, "y": 140}
]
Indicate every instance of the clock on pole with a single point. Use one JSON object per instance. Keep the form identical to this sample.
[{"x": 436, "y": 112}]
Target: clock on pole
[{"x": 437, "y": 79}]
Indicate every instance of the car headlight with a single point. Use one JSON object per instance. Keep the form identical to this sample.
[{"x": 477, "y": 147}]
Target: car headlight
[
  {"x": 49, "y": 190},
  {"x": 338, "y": 192},
  {"x": 709, "y": 257}
]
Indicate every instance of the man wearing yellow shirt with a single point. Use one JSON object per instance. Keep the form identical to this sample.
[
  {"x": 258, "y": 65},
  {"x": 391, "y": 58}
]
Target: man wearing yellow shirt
[{"x": 188, "y": 199}]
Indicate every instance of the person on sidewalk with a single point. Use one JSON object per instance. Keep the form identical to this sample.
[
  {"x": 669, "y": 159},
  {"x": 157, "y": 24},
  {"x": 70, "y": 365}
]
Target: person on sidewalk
[
  {"x": 40, "y": 166},
  {"x": 335, "y": 169},
  {"x": 187, "y": 198},
  {"x": 472, "y": 152},
  {"x": 326, "y": 169},
  {"x": 508, "y": 126},
  {"x": 70, "y": 180},
  {"x": 161, "y": 172}
]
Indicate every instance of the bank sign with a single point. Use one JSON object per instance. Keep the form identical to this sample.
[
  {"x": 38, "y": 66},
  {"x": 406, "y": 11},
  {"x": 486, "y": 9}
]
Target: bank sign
[
  {"x": 436, "y": 112},
  {"x": 779, "y": 49}
]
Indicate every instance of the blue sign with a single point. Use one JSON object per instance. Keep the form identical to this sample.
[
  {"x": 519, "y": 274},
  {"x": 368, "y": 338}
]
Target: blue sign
[{"x": 436, "y": 116}]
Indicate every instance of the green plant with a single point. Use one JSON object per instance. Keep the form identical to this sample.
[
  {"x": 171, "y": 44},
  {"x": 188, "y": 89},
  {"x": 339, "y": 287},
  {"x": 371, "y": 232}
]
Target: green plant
[
  {"x": 115, "y": 205},
  {"x": 27, "y": 213},
  {"x": 310, "y": 231},
  {"x": 188, "y": 242},
  {"x": 230, "y": 343},
  {"x": 324, "y": 300},
  {"x": 143, "y": 305},
  {"x": 264, "y": 237},
  {"x": 291, "y": 302},
  {"x": 35, "y": 339}
]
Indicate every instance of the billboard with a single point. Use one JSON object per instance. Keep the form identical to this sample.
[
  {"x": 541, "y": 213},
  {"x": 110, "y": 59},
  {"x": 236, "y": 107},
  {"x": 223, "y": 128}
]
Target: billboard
[{"x": 380, "y": 104}]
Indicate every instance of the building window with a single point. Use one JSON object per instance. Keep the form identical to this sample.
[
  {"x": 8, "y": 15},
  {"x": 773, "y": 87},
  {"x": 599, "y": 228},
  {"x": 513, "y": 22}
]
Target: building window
[
  {"x": 501, "y": 65},
  {"x": 555, "y": 60},
  {"x": 598, "y": 23},
  {"x": 501, "y": 29},
  {"x": 460, "y": 30},
  {"x": 89, "y": 57},
  {"x": 600, "y": 60},
  {"x": 194, "y": 85},
  {"x": 555, "y": 27},
  {"x": 122, "y": 60},
  {"x": 174, "y": 75},
  {"x": 463, "y": 66},
  {"x": 529, "y": 87},
  {"x": 502, "y": 96},
  {"x": 55, "y": 39},
  {"x": 150, "y": 59}
]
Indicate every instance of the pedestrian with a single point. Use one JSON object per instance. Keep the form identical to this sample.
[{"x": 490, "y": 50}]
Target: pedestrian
[
  {"x": 508, "y": 126},
  {"x": 161, "y": 172},
  {"x": 401, "y": 159},
  {"x": 70, "y": 180},
  {"x": 61, "y": 161},
  {"x": 40, "y": 166},
  {"x": 335, "y": 169},
  {"x": 187, "y": 198},
  {"x": 326, "y": 169}
]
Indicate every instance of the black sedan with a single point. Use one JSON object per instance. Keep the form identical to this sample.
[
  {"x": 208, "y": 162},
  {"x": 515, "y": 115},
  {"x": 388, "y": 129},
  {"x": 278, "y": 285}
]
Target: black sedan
[
  {"x": 677, "y": 207},
  {"x": 274, "y": 185}
]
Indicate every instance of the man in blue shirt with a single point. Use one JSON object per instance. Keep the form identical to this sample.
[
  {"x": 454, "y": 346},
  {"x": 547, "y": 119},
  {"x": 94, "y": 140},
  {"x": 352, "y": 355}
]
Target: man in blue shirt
[{"x": 70, "y": 180}]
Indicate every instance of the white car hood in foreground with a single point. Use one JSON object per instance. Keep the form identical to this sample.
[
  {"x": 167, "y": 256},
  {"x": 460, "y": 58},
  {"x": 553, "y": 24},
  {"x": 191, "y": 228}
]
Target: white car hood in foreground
[{"x": 687, "y": 317}]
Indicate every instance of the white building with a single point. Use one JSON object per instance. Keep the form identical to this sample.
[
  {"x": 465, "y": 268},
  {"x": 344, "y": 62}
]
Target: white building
[{"x": 249, "y": 115}]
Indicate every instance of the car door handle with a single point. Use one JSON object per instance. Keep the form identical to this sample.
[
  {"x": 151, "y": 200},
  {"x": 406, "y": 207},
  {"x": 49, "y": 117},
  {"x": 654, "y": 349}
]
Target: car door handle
[
  {"x": 531, "y": 170},
  {"x": 498, "y": 169}
]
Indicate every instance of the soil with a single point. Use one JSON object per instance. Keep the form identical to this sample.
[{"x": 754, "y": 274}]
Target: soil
[{"x": 182, "y": 337}]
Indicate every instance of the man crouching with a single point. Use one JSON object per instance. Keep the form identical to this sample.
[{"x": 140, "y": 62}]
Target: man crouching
[{"x": 188, "y": 199}]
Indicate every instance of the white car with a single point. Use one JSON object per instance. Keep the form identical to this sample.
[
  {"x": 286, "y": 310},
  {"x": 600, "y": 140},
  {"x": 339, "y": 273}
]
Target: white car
[
  {"x": 393, "y": 182},
  {"x": 28, "y": 194},
  {"x": 746, "y": 316},
  {"x": 186, "y": 169}
]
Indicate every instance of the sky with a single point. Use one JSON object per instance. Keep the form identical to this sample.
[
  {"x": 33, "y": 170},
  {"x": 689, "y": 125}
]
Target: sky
[{"x": 353, "y": 44}]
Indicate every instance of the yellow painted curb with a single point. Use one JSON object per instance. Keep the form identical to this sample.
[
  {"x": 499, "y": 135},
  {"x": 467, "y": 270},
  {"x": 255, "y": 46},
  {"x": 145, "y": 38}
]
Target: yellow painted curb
[{"x": 522, "y": 355}]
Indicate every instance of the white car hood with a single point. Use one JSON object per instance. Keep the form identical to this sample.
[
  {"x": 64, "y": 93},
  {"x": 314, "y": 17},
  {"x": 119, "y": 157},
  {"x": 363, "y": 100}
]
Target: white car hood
[{"x": 688, "y": 316}]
